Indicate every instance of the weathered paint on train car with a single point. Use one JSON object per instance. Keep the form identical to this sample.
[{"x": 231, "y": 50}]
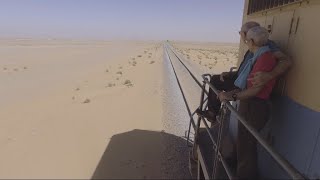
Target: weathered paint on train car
[
  {"x": 295, "y": 28},
  {"x": 294, "y": 126}
]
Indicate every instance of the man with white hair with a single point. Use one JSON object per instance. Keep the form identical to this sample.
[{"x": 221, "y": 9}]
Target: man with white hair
[
  {"x": 225, "y": 81},
  {"x": 258, "y": 78},
  {"x": 253, "y": 99}
]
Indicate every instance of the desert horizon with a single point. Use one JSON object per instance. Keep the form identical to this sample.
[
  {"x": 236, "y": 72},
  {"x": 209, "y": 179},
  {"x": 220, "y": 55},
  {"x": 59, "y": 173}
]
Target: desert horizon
[
  {"x": 165, "y": 89},
  {"x": 63, "y": 103},
  {"x": 87, "y": 87}
]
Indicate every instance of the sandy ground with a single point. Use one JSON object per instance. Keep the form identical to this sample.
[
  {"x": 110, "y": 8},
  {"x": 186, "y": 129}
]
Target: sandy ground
[
  {"x": 212, "y": 58},
  {"x": 75, "y": 109},
  {"x": 62, "y": 102}
]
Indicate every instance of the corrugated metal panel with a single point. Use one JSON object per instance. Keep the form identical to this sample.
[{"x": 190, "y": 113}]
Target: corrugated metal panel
[{"x": 261, "y": 5}]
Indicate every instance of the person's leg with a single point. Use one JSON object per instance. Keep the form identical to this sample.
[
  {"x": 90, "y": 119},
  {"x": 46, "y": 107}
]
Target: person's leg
[
  {"x": 256, "y": 114},
  {"x": 246, "y": 154},
  {"x": 226, "y": 85}
]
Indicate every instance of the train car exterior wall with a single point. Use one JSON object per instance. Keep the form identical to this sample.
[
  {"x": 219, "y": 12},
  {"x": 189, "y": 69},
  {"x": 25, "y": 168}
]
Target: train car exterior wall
[{"x": 294, "y": 128}]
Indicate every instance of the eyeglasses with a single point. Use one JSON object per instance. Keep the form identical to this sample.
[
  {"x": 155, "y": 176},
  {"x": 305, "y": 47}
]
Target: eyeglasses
[{"x": 246, "y": 41}]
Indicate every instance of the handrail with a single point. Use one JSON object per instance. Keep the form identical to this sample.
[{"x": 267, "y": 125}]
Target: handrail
[
  {"x": 276, "y": 156},
  {"x": 215, "y": 147}
]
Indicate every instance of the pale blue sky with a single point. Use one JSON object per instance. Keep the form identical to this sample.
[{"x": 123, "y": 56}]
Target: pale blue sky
[{"x": 190, "y": 20}]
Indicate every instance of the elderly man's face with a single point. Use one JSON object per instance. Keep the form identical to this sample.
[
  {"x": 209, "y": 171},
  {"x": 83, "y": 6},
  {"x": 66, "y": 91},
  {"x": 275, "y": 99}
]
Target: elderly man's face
[
  {"x": 250, "y": 44},
  {"x": 242, "y": 35}
]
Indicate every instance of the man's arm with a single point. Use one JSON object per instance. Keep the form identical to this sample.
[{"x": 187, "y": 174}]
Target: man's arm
[
  {"x": 283, "y": 64},
  {"x": 245, "y": 94},
  {"x": 248, "y": 93}
]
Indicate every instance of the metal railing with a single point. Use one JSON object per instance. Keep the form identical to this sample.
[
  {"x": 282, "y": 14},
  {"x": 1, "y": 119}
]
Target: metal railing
[{"x": 276, "y": 156}]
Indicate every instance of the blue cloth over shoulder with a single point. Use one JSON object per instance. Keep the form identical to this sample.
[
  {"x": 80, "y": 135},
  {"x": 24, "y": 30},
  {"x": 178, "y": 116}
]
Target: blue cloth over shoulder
[
  {"x": 245, "y": 70},
  {"x": 273, "y": 48}
]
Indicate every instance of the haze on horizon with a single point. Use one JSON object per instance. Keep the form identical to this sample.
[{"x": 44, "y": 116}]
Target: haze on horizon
[{"x": 184, "y": 20}]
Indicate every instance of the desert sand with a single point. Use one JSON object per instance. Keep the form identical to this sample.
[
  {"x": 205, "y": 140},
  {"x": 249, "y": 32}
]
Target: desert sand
[
  {"x": 212, "y": 58},
  {"x": 94, "y": 109}
]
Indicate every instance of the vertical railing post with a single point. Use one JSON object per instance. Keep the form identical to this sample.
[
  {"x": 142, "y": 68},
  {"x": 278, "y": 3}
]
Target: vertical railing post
[{"x": 194, "y": 148}]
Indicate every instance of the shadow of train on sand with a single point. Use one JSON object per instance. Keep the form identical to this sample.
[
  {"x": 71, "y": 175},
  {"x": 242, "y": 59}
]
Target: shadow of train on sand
[{"x": 141, "y": 154}]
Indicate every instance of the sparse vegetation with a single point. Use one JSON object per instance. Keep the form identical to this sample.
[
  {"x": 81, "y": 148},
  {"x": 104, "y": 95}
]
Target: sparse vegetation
[
  {"x": 119, "y": 72},
  {"x": 128, "y": 83},
  {"x": 110, "y": 85},
  {"x": 86, "y": 101}
]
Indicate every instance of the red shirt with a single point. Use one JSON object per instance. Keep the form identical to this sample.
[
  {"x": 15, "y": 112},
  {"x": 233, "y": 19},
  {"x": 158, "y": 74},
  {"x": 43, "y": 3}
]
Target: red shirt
[{"x": 265, "y": 63}]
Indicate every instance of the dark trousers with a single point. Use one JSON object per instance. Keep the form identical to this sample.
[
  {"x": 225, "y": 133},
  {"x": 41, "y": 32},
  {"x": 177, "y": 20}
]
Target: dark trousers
[
  {"x": 255, "y": 111},
  {"x": 226, "y": 85}
]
